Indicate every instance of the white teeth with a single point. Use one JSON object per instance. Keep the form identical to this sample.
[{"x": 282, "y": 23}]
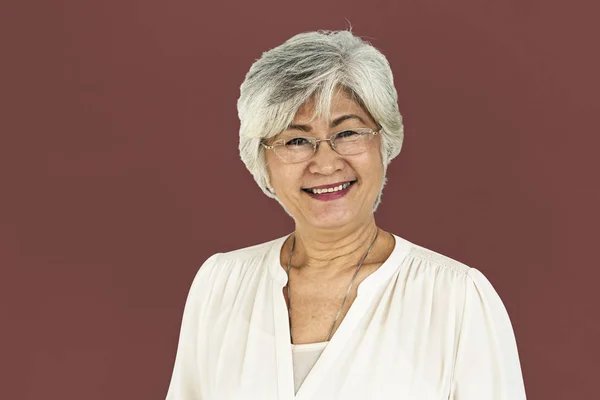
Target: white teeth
[{"x": 330, "y": 190}]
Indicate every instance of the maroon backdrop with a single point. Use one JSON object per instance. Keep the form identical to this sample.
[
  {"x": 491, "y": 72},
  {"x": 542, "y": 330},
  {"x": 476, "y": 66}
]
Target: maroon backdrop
[{"x": 120, "y": 174}]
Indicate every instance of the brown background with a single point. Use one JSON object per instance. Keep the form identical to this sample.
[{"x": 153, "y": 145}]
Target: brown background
[{"x": 120, "y": 173}]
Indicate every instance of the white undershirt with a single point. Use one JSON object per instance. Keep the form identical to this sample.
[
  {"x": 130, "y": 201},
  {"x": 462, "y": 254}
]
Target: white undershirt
[{"x": 304, "y": 357}]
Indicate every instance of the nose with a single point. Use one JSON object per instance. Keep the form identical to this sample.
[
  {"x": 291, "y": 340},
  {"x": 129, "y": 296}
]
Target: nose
[
  {"x": 325, "y": 160},
  {"x": 329, "y": 142}
]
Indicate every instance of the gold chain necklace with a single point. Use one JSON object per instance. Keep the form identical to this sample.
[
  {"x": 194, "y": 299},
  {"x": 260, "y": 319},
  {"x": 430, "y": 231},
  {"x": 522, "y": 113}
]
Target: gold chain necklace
[{"x": 287, "y": 286}]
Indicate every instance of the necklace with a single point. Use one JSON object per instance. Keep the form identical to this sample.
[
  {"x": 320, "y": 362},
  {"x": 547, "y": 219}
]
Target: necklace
[{"x": 287, "y": 286}]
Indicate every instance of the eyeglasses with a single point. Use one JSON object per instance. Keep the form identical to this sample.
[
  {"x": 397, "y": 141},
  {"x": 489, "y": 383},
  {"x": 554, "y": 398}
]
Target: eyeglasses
[{"x": 346, "y": 143}]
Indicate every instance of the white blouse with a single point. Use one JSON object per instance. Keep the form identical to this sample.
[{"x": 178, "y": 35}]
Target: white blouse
[{"x": 422, "y": 327}]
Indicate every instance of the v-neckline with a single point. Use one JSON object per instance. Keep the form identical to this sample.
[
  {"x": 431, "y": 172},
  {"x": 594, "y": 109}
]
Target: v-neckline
[{"x": 285, "y": 367}]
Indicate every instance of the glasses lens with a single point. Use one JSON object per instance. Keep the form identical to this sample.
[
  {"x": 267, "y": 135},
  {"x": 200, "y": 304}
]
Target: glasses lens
[
  {"x": 353, "y": 141},
  {"x": 293, "y": 150}
]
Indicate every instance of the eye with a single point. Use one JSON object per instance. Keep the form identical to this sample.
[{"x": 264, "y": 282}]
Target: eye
[
  {"x": 297, "y": 141},
  {"x": 346, "y": 134}
]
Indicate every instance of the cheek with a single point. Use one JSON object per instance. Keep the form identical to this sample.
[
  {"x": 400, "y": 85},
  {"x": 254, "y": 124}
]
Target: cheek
[
  {"x": 370, "y": 164},
  {"x": 283, "y": 176},
  {"x": 377, "y": 160},
  {"x": 273, "y": 169},
  {"x": 269, "y": 169}
]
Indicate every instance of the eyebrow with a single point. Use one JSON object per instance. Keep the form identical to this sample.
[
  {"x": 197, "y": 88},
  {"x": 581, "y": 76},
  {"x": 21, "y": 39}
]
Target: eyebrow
[{"x": 333, "y": 124}]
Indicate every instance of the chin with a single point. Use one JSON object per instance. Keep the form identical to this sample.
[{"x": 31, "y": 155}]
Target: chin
[{"x": 332, "y": 219}]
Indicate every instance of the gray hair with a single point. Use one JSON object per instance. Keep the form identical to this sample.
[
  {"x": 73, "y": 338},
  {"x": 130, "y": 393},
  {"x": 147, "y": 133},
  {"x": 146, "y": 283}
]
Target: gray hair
[{"x": 312, "y": 65}]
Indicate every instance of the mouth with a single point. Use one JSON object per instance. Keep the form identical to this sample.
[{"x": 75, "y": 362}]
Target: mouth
[{"x": 329, "y": 192}]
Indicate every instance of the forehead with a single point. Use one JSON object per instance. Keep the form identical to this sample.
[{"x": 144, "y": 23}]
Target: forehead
[{"x": 341, "y": 104}]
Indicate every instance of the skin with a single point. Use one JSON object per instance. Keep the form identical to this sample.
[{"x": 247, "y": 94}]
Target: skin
[{"x": 331, "y": 236}]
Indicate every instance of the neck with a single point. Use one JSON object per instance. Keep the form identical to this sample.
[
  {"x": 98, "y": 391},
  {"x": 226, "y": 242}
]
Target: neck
[{"x": 331, "y": 251}]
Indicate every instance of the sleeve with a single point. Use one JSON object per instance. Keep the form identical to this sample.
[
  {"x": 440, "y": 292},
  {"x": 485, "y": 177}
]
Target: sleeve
[
  {"x": 186, "y": 376},
  {"x": 487, "y": 363}
]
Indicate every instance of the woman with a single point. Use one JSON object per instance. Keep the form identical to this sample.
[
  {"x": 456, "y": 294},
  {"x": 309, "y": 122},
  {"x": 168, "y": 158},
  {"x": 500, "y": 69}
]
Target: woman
[{"x": 339, "y": 309}]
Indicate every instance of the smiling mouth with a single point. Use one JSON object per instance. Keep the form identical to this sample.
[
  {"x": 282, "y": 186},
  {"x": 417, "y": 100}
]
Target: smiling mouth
[{"x": 332, "y": 189}]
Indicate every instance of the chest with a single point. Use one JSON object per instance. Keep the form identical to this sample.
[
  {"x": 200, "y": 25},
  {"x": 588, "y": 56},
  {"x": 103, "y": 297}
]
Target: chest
[
  {"x": 317, "y": 308},
  {"x": 393, "y": 342},
  {"x": 314, "y": 319}
]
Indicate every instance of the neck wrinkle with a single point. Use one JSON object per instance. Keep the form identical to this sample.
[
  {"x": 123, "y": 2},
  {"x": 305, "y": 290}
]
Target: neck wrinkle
[{"x": 325, "y": 251}]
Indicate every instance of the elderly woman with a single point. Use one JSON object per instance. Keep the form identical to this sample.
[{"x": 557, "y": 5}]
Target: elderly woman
[{"x": 338, "y": 309}]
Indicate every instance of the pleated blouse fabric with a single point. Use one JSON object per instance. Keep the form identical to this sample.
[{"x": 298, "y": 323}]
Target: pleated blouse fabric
[{"x": 422, "y": 327}]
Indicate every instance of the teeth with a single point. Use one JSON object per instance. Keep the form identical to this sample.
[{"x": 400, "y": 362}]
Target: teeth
[{"x": 330, "y": 190}]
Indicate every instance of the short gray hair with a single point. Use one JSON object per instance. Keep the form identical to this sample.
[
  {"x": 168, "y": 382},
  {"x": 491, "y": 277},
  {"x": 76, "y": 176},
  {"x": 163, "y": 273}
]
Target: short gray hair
[{"x": 312, "y": 65}]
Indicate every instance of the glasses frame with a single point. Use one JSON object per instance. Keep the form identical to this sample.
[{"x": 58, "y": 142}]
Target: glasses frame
[{"x": 315, "y": 143}]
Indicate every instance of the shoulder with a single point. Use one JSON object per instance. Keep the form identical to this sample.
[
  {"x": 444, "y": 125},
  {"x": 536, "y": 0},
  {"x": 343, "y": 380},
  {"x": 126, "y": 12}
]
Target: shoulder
[
  {"x": 422, "y": 263},
  {"x": 466, "y": 282},
  {"x": 252, "y": 252},
  {"x": 431, "y": 261},
  {"x": 238, "y": 261}
]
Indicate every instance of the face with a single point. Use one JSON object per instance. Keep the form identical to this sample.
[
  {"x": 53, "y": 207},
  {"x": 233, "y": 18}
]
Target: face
[{"x": 294, "y": 184}]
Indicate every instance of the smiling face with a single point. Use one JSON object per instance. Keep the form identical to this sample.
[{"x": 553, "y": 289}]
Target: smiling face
[{"x": 300, "y": 186}]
